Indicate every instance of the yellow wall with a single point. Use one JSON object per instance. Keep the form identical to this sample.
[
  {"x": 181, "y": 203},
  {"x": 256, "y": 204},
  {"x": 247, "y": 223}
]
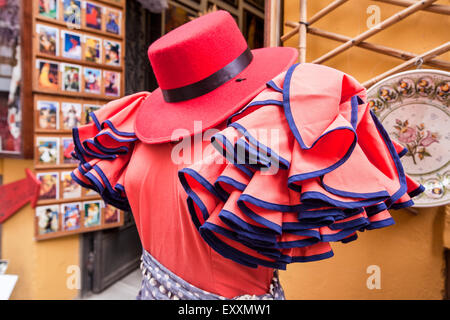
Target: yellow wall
[
  {"x": 41, "y": 266},
  {"x": 410, "y": 253}
]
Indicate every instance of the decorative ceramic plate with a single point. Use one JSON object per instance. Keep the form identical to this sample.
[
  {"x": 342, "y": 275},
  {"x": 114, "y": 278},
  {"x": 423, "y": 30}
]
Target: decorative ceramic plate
[{"x": 414, "y": 108}]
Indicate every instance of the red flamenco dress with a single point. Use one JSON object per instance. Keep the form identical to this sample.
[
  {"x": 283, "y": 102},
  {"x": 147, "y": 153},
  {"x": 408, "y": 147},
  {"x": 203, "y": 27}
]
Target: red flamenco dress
[{"x": 304, "y": 164}]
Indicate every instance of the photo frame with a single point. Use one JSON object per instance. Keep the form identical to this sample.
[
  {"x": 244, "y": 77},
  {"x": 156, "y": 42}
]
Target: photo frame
[
  {"x": 48, "y": 40},
  {"x": 112, "y": 52},
  {"x": 48, "y": 219},
  {"x": 66, "y": 151},
  {"x": 111, "y": 82},
  {"x": 113, "y": 21},
  {"x": 111, "y": 214},
  {"x": 70, "y": 115},
  {"x": 47, "y": 75},
  {"x": 71, "y": 45},
  {"x": 71, "y": 77},
  {"x": 47, "y": 151},
  {"x": 49, "y": 189},
  {"x": 48, "y": 9},
  {"x": 92, "y": 49},
  {"x": 92, "y": 80},
  {"x": 71, "y": 216},
  {"x": 47, "y": 115},
  {"x": 92, "y": 213},
  {"x": 69, "y": 188},
  {"x": 93, "y": 16},
  {"x": 71, "y": 11}
]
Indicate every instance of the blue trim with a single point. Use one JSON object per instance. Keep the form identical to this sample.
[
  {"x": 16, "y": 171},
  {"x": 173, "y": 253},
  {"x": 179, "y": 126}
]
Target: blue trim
[
  {"x": 319, "y": 198},
  {"x": 95, "y": 120},
  {"x": 272, "y": 85},
  {"x": 230, "y": 181},
  {"x": 268, "y": 152},
  {"x": 360, "y": 222},
  {"x": 254, "y": 104},
  {"x": 227, "y": 251},
  {"x": 350, "y": 239},
  {"x": 315, "y": 257},
  {"x": 81, "y": 183},
  {"x": 372, "y": 210},
  {"x": 304, "y": 176},
  {"x": 223, "y": 150},
  {"x": 296, "y": 243},
  {"x": 380, "y": 195},
  {"x": 354, "y": 116},
  {"x": 116, "y": 131},
  {"x": 401, "y": 205},
  {"x": 416, "y": 191},
  {"x": 234, "y": 222},
  {"x": 380, "y": 224},
  {"x": 401, "y": 174},
  {"x": 403, "y": 152},
  {"x": 195, "y": 198}
]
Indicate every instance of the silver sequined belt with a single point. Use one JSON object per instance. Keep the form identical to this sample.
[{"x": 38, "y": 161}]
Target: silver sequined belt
[{"x": 159, "y": 283}]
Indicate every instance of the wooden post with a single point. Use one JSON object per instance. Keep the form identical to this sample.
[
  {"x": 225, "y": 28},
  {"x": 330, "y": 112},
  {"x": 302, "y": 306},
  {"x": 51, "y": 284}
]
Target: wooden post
[
  {"x": 388, "y": 51},
  {"x": 376, "y": 29},
  {"x": 302, "y": 30},
  {"x": 314, "y": 18},
  {"x": 425, "y": 56},
  {"x": 435, "y": 8}
]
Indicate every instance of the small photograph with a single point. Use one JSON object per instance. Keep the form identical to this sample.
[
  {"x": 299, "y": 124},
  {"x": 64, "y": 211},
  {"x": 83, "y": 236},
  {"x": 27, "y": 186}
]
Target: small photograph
[
  {"x": 48, "y": 150},
  {"x": 71, "y": 213},
  {"x": 49, "y": 189},
  {"x": 48, "y": 219},
  {"x": 48, "y": 39},
  {"x": 113, "y": 21},
  {"x": 71, "y": 43},
  {"x": 93, "y": 16},
  {"x": 93, "y": 49},
  {"x": 71, "y": 115},
  {"x": 71, "y": 77},
  {"x": 48, "y": 115},
  {"x": 69, "y": 188},
  {"x": 92, "y": 213},
  {"x": 92, "y": 80},
  {"x": 112, "y": 52},
  {"x": 72, "y": 11},
  {"x": 48, "y": 8},
  {"x": 112, "y": 214},
  {"x": 111, "y": 81},
  {"x": 48, "y": 78},
  {"x": 87, "y": 109},
  {"x": 67, "y": 149}
]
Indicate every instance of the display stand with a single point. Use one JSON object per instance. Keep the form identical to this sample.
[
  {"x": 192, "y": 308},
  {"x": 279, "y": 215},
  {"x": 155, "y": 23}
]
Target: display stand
[{"x": 78, "y": 66}]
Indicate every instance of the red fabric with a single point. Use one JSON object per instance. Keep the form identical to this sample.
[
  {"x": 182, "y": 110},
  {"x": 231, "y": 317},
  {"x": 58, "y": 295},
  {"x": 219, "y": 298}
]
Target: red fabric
[{"x": 158, "y": 203}]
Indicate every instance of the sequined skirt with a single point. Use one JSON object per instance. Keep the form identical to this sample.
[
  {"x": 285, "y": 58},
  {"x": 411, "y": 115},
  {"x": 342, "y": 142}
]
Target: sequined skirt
[{"x": 159, "y": 283}]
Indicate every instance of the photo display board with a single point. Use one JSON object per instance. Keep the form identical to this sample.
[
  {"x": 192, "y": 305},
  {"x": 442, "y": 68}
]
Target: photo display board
[{"x": 78, "y": 67}]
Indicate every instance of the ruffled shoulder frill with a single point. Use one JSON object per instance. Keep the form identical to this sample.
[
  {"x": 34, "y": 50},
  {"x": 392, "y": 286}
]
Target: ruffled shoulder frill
[
  {"x": 104, "y": 147},
  {"x": 306, "y": 163}
]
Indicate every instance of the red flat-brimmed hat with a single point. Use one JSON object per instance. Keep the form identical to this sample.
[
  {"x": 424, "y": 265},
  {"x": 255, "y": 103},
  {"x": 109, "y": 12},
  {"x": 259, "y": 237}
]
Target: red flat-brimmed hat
[{"x": 205, "y": 72}]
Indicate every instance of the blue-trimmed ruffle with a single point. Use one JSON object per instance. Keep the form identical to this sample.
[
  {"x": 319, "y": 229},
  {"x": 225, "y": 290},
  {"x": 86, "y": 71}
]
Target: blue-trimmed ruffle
[
  {"x": 306, "y": 163},
  {"x": 104, "y": 147}
]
